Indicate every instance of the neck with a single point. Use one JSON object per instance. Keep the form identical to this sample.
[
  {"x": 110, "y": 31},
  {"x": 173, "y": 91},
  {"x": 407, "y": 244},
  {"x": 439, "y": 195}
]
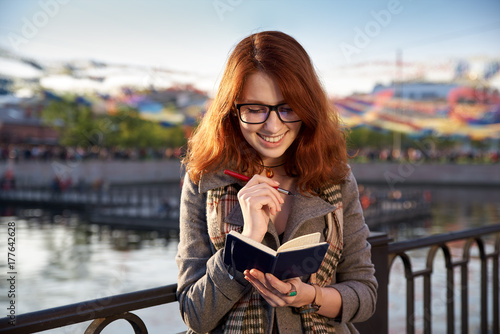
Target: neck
[
  {"x": 272, "y": 165},
  {"x": 268, "y": 168}
]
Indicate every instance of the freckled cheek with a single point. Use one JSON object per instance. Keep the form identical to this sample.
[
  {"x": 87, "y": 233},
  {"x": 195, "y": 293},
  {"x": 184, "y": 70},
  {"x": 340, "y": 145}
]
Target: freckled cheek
[
  {"x": 248, "y": 131},
  {"x": 250, "y": 127}
]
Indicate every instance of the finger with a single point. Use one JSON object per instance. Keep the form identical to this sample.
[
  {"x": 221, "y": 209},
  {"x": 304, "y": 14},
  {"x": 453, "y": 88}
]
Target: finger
[
  {"x": 261, "y": 190},
  {"x": 259, "y": 276},
  {"x": 260, "y": 280},
  {"x": 257, "y": 198},
  {"x": 267, "y": 298},
  {"x": 261, "y": 203},
  {"x": 271, "y": 295},
  {"x": 274, "y": 299},
  {"x": 263, "y": 185},
  {"x": 262, "y": 180},
  {"x": 283, "y": 287},
  {"x": 279, "y": 288}
]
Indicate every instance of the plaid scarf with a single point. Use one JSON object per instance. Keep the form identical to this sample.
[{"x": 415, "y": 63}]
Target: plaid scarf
[{"x": 247, "y": 314}]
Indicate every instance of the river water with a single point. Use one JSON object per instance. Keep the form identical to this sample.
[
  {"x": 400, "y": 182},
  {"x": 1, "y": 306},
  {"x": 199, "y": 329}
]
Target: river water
[{"x": 62, "y": 260}]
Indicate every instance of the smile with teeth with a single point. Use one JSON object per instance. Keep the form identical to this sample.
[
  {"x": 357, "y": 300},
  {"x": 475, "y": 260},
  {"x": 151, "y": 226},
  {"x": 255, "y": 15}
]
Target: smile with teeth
[{"x": 272, "y": 139}]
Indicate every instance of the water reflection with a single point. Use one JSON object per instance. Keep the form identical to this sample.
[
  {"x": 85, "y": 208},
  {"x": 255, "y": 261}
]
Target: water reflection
[
  {"x": 452, "y": 209},
  {"x": 62, "y": 260}
]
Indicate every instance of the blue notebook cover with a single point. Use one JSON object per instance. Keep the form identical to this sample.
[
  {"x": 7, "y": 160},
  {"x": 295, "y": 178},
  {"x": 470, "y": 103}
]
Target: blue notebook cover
[{"x": 242, "y": 254}]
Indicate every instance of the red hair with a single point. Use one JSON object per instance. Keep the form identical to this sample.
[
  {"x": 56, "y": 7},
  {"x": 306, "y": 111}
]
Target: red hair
[{"x": 318, "y": 155}]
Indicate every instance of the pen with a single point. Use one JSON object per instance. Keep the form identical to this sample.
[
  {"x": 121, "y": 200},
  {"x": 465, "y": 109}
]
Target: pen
[{"x": 246, "y": 179}]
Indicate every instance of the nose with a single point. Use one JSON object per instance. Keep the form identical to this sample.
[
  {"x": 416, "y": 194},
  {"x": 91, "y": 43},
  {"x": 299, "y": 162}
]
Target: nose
[{"x": 273, "y": 122}]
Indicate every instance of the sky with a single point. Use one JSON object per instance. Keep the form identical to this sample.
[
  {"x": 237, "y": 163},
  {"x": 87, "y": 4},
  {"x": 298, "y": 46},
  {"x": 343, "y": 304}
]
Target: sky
[{"x": 196, "y": 36}]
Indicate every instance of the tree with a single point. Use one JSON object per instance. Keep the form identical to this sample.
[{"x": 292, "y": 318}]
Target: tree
[
  {"x": 78, "y": 126},
  {"x": 73, "y": 119}
]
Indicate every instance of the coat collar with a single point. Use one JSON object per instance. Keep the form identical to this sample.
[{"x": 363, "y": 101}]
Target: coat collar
[{"x": 216, "y": 180}]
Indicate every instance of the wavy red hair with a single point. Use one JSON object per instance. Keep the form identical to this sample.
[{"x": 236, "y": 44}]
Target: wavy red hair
[{"x": 318, "y": 155}]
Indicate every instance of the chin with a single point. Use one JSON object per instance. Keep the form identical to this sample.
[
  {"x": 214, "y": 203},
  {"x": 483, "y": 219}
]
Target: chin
[{"x": 271, "y": 155}]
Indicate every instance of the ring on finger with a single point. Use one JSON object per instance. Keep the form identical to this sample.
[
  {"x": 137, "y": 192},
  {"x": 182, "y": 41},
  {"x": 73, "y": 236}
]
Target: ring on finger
[{"x": 292, "y": 292}]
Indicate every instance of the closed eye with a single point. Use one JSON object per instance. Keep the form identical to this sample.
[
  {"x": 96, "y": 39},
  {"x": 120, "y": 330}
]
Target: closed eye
[{"x": 255, "y": 109}]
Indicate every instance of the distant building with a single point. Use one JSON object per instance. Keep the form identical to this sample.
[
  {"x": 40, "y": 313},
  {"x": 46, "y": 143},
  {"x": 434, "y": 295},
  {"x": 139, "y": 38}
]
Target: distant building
[
  {"x": 20, "y": 123},
  {"x": 418, "y": 90}
]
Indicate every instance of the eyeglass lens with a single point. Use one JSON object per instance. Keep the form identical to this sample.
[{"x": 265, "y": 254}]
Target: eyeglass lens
[{"x": 256, "y": 113}]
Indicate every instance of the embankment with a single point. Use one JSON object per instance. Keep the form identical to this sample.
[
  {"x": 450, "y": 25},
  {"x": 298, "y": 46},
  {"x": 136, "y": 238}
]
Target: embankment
[{"x": 35, "y": 173}]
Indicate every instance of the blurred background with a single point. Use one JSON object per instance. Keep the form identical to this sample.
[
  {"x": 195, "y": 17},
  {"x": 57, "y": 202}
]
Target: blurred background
[{"x": 98, "y": 98}]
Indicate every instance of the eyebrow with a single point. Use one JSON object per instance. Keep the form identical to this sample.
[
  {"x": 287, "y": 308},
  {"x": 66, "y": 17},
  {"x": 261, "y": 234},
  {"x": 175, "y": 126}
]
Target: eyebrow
[{"x": 260, "y": 102}]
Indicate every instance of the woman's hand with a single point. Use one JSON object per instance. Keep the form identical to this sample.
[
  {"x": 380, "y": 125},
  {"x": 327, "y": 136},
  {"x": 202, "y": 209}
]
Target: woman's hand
[
  {"x": 259, "y": 200},
  {"x": 276, "y": 292}
]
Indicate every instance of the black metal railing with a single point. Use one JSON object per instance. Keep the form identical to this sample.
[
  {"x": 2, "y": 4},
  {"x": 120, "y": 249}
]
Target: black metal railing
[
  {"x": 384, "y": 253},
  {"x": 103, "y": 311}
]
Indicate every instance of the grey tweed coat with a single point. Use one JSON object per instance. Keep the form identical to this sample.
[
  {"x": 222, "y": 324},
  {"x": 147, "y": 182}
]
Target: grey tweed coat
[{"x": 206, "y": 291}]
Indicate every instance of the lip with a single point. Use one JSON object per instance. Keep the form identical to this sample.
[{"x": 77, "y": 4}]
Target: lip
[{"x": 272, "y": 140}]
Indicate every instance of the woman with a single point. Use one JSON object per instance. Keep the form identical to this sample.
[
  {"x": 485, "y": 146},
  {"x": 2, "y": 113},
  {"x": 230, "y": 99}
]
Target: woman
[{"x": 271, "y": 121}]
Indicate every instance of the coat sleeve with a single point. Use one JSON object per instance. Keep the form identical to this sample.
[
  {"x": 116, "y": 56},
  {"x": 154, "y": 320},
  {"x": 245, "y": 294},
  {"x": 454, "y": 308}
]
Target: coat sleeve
[
  {"x": 204, "y": 288},
  {"x": 355, "y": 275}
]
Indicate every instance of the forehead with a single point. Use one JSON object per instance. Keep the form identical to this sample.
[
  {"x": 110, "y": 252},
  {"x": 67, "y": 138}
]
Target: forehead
[{"x": 261, "y": 88}]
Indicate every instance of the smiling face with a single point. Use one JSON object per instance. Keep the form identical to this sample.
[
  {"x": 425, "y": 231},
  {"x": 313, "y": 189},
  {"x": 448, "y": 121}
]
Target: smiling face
[{"x": 272, "y": 138}]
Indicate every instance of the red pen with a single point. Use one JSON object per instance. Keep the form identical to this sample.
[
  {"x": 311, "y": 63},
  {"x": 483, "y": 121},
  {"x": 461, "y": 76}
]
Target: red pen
[{"x": 246, "y": 179}]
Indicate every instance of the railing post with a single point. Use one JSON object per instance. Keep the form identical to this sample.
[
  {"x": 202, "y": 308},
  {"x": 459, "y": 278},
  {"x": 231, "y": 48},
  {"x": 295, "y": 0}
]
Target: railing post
[{"x": 380, "y": 258}]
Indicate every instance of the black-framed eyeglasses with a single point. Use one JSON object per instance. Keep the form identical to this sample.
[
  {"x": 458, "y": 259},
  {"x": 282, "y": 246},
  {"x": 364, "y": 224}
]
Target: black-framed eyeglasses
[{"x": 254, "y": 113}]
